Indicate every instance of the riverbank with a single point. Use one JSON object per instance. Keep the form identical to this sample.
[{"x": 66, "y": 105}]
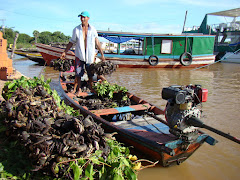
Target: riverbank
[{"x": 15, "y": 75}]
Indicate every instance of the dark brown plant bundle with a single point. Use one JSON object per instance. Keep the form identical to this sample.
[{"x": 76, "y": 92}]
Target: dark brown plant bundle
[
  {"x": 62, "y": 64},
  {"x": 103, "y": 68},
  {"x": 32, "y": 116}
]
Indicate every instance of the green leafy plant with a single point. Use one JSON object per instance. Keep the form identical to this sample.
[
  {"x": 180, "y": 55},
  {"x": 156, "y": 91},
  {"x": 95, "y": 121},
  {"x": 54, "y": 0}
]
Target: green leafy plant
[
  {"x": 24, "y": 82},
  {"x": 116, "y": 166},
  {"x": 106, "y": 89}
]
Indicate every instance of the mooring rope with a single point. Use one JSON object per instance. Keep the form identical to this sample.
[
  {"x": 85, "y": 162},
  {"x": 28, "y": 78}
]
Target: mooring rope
[{"x": 42, "y": 69}]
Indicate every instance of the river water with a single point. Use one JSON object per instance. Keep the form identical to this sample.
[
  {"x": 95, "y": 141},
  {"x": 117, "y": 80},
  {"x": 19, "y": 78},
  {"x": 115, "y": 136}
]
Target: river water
[{"x": 222, "y": 161}]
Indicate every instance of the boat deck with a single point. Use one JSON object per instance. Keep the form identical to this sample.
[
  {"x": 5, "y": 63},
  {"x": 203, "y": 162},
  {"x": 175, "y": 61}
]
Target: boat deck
[{"x": 147, "y": 127}]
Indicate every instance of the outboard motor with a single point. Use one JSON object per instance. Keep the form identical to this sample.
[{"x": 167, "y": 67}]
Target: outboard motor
[{"x": 182, "y": 105}]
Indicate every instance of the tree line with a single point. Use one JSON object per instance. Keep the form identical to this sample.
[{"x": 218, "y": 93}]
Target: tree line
[{"x": 44, "y": 37}]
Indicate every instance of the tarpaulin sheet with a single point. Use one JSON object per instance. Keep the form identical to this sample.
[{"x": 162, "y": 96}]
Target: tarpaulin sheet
[{"x": 120, "y": 39}]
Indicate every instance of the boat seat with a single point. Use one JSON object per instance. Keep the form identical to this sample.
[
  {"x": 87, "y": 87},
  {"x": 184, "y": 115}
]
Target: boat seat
[{"x": 138, "y": 107}]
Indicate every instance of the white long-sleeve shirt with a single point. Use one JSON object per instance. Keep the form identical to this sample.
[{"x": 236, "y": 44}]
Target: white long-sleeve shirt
[{"x": 77, "y": 38}]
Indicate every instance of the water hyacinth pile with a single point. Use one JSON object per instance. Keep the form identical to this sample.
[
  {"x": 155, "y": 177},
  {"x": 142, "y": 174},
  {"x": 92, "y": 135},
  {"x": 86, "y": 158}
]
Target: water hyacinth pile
[
  {"x": 108, "y": 96},
  {"x": 62, "y": 64},
  {"x": 59, "y": 141},
  {"x": 103, "y": 68}
]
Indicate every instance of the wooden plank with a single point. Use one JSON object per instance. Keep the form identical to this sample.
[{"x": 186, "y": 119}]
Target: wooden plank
[
  {"x": 147, "y": 127},
  {"x": 138, "y": 107},
  {"x": 138, "y": 122}
]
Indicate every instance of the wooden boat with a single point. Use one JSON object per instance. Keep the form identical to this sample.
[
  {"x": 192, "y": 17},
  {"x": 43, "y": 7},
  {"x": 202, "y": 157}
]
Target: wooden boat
[
  {"x": 50, "y": 53},
  {"x": 33, "y": 55},
  {"x": 31, "y": 52},
  {"x": 154, "y": 50},
  {"x": 36, "y": 57},
  {"x": 143, "y": 126}
]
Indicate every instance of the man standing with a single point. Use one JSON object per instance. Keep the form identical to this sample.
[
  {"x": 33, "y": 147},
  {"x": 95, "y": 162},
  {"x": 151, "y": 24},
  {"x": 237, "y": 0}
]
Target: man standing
[{"x": 86, "y": 39}]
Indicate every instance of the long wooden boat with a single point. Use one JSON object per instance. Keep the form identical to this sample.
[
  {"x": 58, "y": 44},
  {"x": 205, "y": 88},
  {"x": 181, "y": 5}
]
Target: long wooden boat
[
  {"x": 50, "y": 53},
  {"x": 154, "y": 50},
  {"x": 143, "y": 126},
  {"x": 27, "y": 52},
  {"x": 33, "y": 55},
  {"x": 36, "y": 58}
]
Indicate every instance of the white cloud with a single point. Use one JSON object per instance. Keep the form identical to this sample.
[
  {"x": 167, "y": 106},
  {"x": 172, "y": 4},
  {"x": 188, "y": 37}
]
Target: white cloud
[
  {"x": 230, "y": 4},
  {"x": 203, "y": 3},
  {"x": 151, "y": 27}
]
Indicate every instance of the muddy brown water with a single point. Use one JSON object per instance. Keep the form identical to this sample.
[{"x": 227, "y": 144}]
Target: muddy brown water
[{"x": 222, "y": 161}]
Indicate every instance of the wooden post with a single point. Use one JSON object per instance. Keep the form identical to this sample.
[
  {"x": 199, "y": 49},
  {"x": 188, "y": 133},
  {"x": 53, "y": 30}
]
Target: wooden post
[
  {"x": 186, "y": 41},
  {"x": 118, "y": 50},
  {"x": 14, "y": 45}
]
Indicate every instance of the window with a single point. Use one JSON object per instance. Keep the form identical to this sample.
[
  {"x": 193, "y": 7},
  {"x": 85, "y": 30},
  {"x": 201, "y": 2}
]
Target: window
[{"x": 166, "y": 47}]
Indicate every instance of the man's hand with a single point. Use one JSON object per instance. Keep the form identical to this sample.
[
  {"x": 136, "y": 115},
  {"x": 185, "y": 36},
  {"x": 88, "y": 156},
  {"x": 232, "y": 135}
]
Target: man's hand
[
  {"x": 63, "y": 55},
  {"x": 103, "y": 58}
]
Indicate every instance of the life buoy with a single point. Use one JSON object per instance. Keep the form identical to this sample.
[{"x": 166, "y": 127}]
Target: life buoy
[
  {"x": 186, "y": 62},
  {"x": 153, "y": 60}
]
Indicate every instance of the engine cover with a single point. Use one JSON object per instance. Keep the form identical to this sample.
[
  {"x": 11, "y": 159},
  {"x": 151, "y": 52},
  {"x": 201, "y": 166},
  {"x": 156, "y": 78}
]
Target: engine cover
[{"x": 175, "y": 117}]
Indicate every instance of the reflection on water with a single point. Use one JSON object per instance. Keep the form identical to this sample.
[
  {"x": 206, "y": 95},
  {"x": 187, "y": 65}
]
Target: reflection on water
[{"x": 222, "y": 80}]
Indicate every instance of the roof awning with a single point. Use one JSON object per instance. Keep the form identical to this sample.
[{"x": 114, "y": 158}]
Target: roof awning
[
  {"x": 121, "y": 39},
  {"x": 229, "y": 13}
]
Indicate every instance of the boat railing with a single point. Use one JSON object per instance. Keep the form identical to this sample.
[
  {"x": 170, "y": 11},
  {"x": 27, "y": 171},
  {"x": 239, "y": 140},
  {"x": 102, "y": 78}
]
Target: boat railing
[
  {"x": 229, "y": 26},
  {"x": 221, "y": 27}
]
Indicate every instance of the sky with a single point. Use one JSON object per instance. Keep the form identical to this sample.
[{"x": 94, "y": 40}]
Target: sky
[{"x": 141, "y": 16}]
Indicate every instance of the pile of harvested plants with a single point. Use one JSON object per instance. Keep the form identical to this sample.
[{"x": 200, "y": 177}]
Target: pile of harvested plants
[
  {"x": 59, "y": 141},
  {"x": 108, "y": 95},
  {"x": 62, "y": 64},
  {"x": 103, "y": 68},
  {"x": 100, "y": 68}
]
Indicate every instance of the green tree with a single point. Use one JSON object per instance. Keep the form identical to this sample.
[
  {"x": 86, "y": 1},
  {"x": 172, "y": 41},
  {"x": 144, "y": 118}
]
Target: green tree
[
  {"x": 58, "y": 36},
  {"x": 45, "y": 37},
  {"x": 24, "y": 38},
  {"x": 35, "y": 34},
  {"x": 9, "y": 35}
]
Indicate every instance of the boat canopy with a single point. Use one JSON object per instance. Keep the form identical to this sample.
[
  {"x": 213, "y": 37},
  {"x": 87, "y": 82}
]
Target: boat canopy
[
  {"x": 120, "y": 39},
  {"x": 229, "y": 13}
]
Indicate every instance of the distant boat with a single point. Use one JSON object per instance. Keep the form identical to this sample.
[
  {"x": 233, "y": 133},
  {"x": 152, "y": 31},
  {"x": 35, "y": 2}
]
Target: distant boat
[
  {"x": 231, "y": 57},
  {"x": 33, "y": 55},
  {"x": 155, "y": 50},
  {"x": 227, "y": 41},
  {"x": 36, "y": 57}
]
